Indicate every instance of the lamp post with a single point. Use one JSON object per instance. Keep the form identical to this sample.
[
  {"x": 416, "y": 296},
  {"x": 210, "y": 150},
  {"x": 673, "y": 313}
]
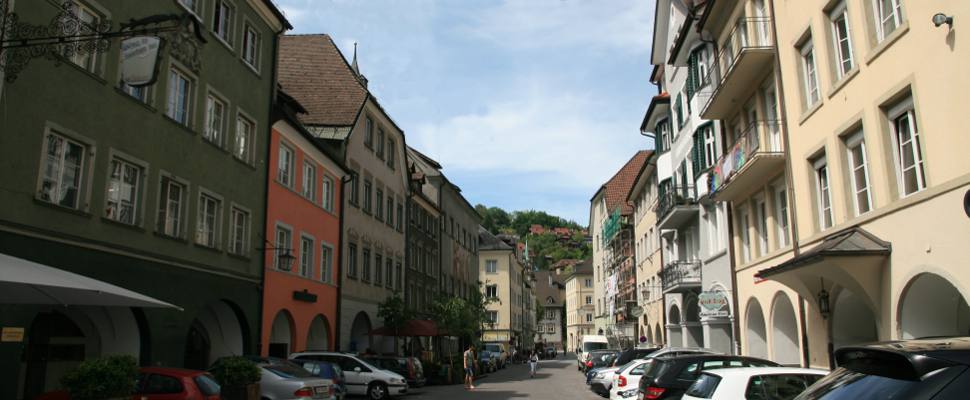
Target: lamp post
[{"x": 823, "y": 300}]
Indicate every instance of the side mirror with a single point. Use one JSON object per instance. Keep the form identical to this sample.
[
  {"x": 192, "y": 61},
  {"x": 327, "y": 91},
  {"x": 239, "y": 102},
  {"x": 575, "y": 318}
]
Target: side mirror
[{"x": 356, "y": 369}]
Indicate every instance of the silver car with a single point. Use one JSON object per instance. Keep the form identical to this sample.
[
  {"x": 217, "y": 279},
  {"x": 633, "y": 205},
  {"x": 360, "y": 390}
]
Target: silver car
[{"x": 285, "y": 380}]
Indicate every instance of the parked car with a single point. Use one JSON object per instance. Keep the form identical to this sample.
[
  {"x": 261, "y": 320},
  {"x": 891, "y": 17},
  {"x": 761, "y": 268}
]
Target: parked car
[
  {"x": 551, "y": 352},
  {"x": 626, "y": 378},
  {"x": 607, "y": 378},
  {"x": 281, "y": 379},
  {"x": 599, "y": 358},
  {"x": 500, "y": 350},
  {"x": 600, "y": 380},
  {"x": 361, "y": 377},
  {"x": 918, "y": 369},
  {"x": 156, "y": 383},
  {"x": 327, "y": 370},
  {"x": 590, "y": 343},
  {"x": 633, "y": 353},
  {"x": 768, "y": 383},
  {"x": 669, "y": 377},
  {"x": 408, "y": 367},
  {"x": 488, "y": 361}
]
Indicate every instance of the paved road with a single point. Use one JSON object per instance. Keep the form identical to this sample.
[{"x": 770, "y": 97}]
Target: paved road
[{"x": 556, "y": 379}]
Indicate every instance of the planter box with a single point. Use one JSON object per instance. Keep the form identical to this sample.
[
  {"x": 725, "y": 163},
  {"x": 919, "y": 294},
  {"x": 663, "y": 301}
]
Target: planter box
[{"x": 248, "y": 392}]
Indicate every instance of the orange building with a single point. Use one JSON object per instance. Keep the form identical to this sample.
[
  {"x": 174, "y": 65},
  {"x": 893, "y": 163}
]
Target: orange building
[{"x": 302, "y": 239}]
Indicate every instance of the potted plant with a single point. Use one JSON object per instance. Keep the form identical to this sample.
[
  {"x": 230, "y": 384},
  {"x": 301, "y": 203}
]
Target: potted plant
[
  {"x": 238, "y": 377},
  {"x": 111, "y": 377}
]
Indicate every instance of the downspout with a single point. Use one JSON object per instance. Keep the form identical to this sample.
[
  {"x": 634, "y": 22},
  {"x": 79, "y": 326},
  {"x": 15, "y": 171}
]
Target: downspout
[
  {"x": 789, "y": 178},
  {"x": 340, "y": 258},
  {"x": 736, "y": 328}
]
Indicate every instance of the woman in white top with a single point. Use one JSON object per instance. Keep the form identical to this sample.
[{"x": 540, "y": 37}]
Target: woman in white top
[{"x": 533, "y": 364}]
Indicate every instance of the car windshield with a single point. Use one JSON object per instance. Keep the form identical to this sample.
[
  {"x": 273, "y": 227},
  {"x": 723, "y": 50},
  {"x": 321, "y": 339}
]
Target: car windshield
[
  {"x": 705, "y": 385},
  {"x": 591, "y": 346},
  {"x": 843, "y": 384},
  {"x": 288, "y": 370},
  {"x": 493, "y": 347}
]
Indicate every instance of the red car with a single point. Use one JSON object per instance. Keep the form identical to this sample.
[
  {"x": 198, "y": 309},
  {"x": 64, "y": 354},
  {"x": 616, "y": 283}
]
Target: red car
[{"x": 157, "y": 383}]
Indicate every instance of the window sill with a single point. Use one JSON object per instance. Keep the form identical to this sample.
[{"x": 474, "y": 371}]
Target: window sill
[
  {"x": 842, "y": 82},
  {"x": 244, "y": 257},
  {"x": 224, "y": 42},
  {"x": 58, "y": 207},
  {"x": 93, "y": 75},
  {"x": 172, "y": 238},
  {"x": 132, "y": 227},
  {"x": 886, "y": 42},
  {"x": 214, "y": 249},
  {"x": 809, "y": 112},
  {"x": 250, "y": 67},
  {"x": 244, "y": 162},
  {"x": 184, "y": 127},
  {"x": 131, "y": 98},
  {"x": 215, "y": 145}
]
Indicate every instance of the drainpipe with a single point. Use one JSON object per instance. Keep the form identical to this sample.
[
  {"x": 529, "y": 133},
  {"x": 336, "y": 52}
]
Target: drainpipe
[
  {"x": 340, "y": 259},
  {"x": 789, "y": 178}
]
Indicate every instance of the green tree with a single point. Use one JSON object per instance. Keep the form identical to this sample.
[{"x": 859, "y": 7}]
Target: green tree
[{"x": 395, "y": 313}]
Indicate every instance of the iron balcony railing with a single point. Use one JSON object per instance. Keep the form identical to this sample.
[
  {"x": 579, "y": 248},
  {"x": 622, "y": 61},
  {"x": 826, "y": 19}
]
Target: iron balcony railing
[
  {"x": 677, "y": 273},
  {"x": 758, "y": 137},
  {"x": 748, "y": 33},
  {"x": 676, "y": 196}
]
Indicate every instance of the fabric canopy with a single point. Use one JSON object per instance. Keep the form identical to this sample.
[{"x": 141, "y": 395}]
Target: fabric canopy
[
  {"x": 27, "y": 282},
  {"x": 414, "y": 327}
]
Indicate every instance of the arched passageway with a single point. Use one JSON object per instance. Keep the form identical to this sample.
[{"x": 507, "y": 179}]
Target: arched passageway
[
  {"x": 360, "y": 337},
  {"x": 932, "y": 306},
  {"x": 215, "y": 332},
  {"x": 756, "y": 339},
  {"x": 784, "y": 332},
  {"x": 318, "y": 337},
  {"x": 281, "y": 335},
  {"x": 852, "y": 321},
  {"x": 674, "y": 334}
]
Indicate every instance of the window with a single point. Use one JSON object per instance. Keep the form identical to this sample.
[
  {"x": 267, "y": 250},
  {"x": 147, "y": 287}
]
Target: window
[
  {"x": 889, "y": 15},
  {"x": 215, "y": 119},
  {"x": 762, "y": 215},
  {"x": 678, "y": 113},
  {"x": 192, "y": 5},
  {"x": 589, "y": 300},
  {"x": 745, "y": 233},
  {"x": 589, "y": 318},
  {"x": 251, "y": 47},
  {"x": 823, "y": 195},
  {"x": 378, "y": 263},
  {"x": 306, "y": 257},
  {"x": 491, "y": 266},
  {"x": 389, "y": 273},
  {"x": 245, "y": 129},
  {"x": 284, "y": 172},
  {"x": 239, "y": 231},
  {"x": 354, "y": 192},
  {"x": 390, "y": 152},
  {"x": 775, "y": 386},
  {"x": 180, "y": 87},
  {"x": 365, "y": 269},
  {"x": 663, "y": 133},
  {"x": 284, "y": 239},
  {"x": 352, "y": 260},
  {"x": 907, "y": 150},
  {"x": 400, "y": 217},
  {"x": 310, "y": 181},
  {"x": 839, "y": 18},
  {"x": 222, "y": 19},
  {"x": 390, "y": 210},
  {"x": 367, "y": 191},
  {"x": 140, "y": 93},
  {"x": 124, "y": 187},
  {"x": 369, "y": 133},
  {"x": 379, "y": 206},
  {"x": 492, "y": 316},
  {"x": 77, "y": 51},
  {"x": 809, "y": 74},
  {"x": 491, "y": 291},
  {"x": 710, "y": 147},
  {"x": 588, "y": 283},
  {"x": 858, "y": 172},
  {"x": 781, "y": 209},
  {"x": 399, "y": 275},
  {"x": 171, "y": 207},
  {"x": 380, "y": 143},
  {"x": 207, "y": 225},
  {"x": 327, "y": 193}
]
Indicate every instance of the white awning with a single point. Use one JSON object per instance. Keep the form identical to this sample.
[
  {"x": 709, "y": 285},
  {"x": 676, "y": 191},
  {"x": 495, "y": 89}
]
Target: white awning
[{"x": 27, "y": 282}]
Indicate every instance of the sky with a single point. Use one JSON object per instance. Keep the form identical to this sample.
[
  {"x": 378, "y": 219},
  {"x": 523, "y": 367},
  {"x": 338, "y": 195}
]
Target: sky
[{"x": 527, "y": 104}]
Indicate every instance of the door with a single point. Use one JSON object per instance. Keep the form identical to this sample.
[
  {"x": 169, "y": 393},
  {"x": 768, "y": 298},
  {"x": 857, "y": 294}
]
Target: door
[
  {"x": 771, "y": 118},
  {"x": 197, "y": 347},
  {"x": 54, "y": 345},
  {"x": 357, "y": 374}
]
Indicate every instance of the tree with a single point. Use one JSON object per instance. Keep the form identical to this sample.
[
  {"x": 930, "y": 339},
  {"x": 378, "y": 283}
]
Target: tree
[{"x": 395, "y": 313}]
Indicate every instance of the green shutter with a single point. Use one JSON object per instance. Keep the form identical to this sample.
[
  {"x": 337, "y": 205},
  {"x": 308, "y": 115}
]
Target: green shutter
[{"x": 695, "y": 152}]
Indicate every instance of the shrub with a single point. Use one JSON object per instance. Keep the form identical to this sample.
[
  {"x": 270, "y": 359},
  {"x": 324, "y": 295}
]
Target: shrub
[
  {"x": 235, "y": 371},
  {"x": 102, "y": 378}
]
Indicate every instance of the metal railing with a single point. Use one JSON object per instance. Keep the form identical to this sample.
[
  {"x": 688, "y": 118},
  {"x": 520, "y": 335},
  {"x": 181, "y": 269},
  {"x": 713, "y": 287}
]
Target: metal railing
[
  {"x": 677, "y": 196},
  {"x": 758, "y": 137},
  {"x": 680, "y": 272},
  {"x": 748, "y": 33}
]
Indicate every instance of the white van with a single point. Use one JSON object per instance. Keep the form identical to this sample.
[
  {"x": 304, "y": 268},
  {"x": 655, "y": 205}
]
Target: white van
[{"x": 590, "y": 343}]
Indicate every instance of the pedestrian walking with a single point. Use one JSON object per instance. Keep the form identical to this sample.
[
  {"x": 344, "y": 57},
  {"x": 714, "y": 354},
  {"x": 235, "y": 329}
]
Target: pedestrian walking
[
  {"x": 533, "y": 364},
  {"x": 468, "y": 359}
]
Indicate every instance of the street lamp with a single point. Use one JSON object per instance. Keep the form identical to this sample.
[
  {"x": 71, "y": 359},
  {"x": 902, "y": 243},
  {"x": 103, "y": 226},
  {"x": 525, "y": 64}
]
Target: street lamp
[
  {"x": 941, "y": 18},
  {"x": 823, "y": 301},
  {"x": 284, "y": 257}
]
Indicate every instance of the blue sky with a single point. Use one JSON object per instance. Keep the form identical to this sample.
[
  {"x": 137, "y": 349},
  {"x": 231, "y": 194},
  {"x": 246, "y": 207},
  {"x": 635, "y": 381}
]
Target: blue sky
[{"x": 528, "y": 104}]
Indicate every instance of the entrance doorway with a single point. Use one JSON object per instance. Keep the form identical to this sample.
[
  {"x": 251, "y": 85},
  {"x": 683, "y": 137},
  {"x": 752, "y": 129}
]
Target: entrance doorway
[
  {"x": 55, "y": 345},
  {"x": 932, "y": 306}
]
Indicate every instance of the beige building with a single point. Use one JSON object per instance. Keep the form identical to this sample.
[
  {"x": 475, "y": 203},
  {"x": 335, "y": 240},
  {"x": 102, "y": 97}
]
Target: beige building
[
  {"x": 502, "y": 277},
  {"x": 549, "y": 293},
  {"x": 847, "y": 210},
  {"x": 650, "y": 305},
  {"x": 579, "y": 303}
]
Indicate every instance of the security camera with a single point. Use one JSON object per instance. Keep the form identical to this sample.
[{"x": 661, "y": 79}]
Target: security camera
[{"x": 941, "y": 18}]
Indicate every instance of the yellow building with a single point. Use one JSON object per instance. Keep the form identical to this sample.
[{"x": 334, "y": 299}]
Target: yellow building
[
  {"x": 501, "y": 275},
  {"x": 650, "y": 307},
  {"x": 846, "y": 187},
  {"x": 579, "y": 303}
]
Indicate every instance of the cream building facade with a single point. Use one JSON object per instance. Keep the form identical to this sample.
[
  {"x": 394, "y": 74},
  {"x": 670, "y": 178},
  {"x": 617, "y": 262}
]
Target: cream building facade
[
  {"x": 579, "y": 294},
  {"x": 650, "y": 312},
  {"x": 501, "y": 275},
  {"x": 849, "y": 211}
]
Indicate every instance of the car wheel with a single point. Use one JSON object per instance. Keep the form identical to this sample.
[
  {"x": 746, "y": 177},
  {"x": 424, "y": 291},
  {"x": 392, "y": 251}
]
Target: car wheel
[{"x": 377, "y": 391}]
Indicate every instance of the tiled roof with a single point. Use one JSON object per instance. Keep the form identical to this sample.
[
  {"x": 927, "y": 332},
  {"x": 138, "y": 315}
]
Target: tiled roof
[
  {"x": 488, "y": 241},
  {"x": 313, "y": 71},
  {"x": 619, "y": 185}
]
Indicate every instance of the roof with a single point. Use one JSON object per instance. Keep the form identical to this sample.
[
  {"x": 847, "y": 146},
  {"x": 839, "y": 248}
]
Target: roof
[
  {"x": 618, "y": 187},
  {"x": 662, "y": 98},
  {"x": 638, "y": 182},
  {"x": 583, "y": 268},
  {"x": 852, "y": 241},
  {"x": 278, "y": 14},
  {"x": 488, "y": 241},
  {"x": 313, "y": 71},
  {"x": 544, "y": 290}
]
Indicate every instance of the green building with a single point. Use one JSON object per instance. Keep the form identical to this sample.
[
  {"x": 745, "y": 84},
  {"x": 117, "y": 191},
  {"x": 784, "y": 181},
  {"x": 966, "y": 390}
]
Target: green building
[{"x": 160, "y": 189}]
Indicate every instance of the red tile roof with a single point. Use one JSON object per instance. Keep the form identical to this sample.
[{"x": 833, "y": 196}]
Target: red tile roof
[
  {"x": 619, "y": 185},
  {"x": 313, "y": 71}
]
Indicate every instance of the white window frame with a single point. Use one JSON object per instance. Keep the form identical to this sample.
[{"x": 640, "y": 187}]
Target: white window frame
[
  {"x": 879, "y": 13},
  {"x": 116, "y": 187},
  {"x": 215, "y": 135},
  {"x": 589, "y": 300},
  {"x": 309, "y": 188},
  {"x": 761, "y": 214},
  {"x": 907, "y": 110},
  {"x": 86, "y": 60},
  {"x": 308, "y": 246},
  {"x": 810, "y": 81},
  {"x": 239, "y": 232},
  {"x": 245, "y": 138},
  {"x": 844, "y": 61},
  {"x": 491, "y": 291},
  {"x": 251, "y": 46},
  {"x": 165, "y": 224},
  {"x": 205, "y": 234},
  {"x": 326, "y": 262},
  {"x": 823, "y": 193},
  {"x": 54, "y": 173},
  {"x": 781, "y": 216},
  {"x": 852, "y": 142},
  {"x": 328, "y": 192},
  {"x": 285, "y": 165},
  {"x": 491, "y": 266},
  {"x": 172, "y": 108},
  {"x": 710, "y": 146},
  {"x": 284, "y": 244},
  {"x": 745, "y": 231},
  {"x": 224, "y": 31}
]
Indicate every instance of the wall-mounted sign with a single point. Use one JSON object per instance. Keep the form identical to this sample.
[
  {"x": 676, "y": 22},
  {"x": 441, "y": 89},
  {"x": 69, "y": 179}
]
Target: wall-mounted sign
[
  {"x": 713, "y": 304},
  {"x": 139, "y": 60},
  {"x": 11, "y": 334},
  {"x": 305, "y": 295}
]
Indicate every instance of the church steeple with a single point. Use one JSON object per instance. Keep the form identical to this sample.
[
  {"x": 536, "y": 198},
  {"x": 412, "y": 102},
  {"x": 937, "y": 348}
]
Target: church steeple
[{"x": 353, "y": 65}]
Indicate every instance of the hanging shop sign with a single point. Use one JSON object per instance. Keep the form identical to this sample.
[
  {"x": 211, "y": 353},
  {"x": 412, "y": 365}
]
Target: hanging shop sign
[
  {"x": 139, "y": 60},
  {"x": 714, "y": 304}
]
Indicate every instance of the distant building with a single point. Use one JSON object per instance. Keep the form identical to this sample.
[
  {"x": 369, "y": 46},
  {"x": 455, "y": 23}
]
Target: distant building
[
  {"x": 550, "y": 295},
  {"x": 579, "y": 304},
  {"x": 502, "y": 276}
]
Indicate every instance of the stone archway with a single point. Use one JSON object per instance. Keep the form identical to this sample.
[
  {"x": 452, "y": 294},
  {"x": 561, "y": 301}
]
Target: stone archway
[
  {"x": 852, "y": 320},
  {"x": 693, "y": 331},
  {"x": 318, "y": 337},
  {"x": 931, "y": 306},
  {"x": 658, "y": 334},
  {"x": 281, "y": 335},
  {"x": 360, "y": 337},
  {"x": 674, "y": 333},
  {"x": 784, "y": 332},
  {"x": 756, "y": 341},
  {"x": 216, "y": 332}
]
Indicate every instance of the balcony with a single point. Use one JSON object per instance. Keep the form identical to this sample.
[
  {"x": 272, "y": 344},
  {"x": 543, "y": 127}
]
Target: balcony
[
  {"x": 676, "y": 206},
  {"x": 746, "y": 55},
  {"x": 680, "y": 275},
  {"x": 756, "y": 157}
]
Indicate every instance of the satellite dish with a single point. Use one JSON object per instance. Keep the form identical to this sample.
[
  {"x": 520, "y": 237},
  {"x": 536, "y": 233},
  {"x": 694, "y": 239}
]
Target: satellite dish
[{"x": 139, "y": 60}]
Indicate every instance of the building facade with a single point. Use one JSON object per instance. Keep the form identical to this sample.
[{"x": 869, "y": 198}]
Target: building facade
[
  {"x": 421, "y": 285},
  {"x": 579, "y": 293},
  {"x": 549, "y": 293},
  {"x": 649, "y": 292},
  {"x": 501, "y": 275},
  {"x": 148, "y": 188},
  {"x": 312, "y": 69}
]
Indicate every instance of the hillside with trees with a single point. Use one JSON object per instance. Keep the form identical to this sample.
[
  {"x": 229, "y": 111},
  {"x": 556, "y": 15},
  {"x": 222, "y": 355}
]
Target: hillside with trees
[{"x": 545, "y": 247}]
